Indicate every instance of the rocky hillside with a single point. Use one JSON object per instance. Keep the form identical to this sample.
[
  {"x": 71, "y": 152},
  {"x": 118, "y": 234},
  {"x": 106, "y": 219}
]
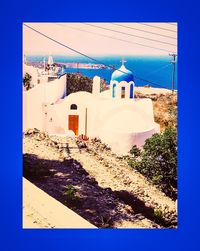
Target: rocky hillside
[
  {"x": 165, "y": 108},
  {"x": 77, "y": 82},
  {"x": 95, "y": 183}
]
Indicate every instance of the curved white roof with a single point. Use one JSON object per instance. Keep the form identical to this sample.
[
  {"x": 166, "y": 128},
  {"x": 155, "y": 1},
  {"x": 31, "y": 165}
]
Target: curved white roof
[
  {"x": 129, "y": 121},
  {"x": 84, "y": 97}
]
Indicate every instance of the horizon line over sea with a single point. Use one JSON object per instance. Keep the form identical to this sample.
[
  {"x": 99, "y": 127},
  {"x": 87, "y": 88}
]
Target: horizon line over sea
[{"x": 155, "y": 71}]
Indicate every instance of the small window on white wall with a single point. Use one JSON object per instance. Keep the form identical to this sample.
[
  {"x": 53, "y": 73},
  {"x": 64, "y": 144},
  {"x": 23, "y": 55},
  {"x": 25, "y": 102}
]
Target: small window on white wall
[
  {"x": 123, "y": 92},
  {"x": 73, "y": 107}
]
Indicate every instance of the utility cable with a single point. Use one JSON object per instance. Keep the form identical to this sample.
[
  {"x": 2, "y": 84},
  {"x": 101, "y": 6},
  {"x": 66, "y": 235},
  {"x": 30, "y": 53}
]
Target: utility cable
[
  {"x": 93, "y": 59},
  {"x": 133, "y": 28},
  {"x": 161, "y": 28},
  {"x": 128, "y": 34},
  {"x": 157, "y": 70},
  {"x": 122, "y": 40}
]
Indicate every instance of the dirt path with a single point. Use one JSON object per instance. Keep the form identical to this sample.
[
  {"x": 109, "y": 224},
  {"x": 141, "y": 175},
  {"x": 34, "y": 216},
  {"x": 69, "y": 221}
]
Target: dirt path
[{"x": 111, "y": 193}]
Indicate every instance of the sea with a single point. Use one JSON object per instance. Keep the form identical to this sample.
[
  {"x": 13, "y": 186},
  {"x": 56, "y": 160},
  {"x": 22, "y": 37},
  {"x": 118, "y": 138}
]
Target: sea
[{"x": 155, "y": 71}]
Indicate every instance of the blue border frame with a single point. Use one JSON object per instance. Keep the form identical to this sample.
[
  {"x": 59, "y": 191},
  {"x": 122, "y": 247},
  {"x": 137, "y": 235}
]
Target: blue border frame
[{"x": 12, "y": 14}]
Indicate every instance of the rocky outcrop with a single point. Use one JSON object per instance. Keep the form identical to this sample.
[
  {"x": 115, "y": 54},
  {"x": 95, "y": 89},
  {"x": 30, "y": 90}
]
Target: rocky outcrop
[{"x": 77, "y": 82}]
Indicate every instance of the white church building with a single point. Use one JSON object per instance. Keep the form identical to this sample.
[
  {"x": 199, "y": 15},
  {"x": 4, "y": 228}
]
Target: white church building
[{"x": 114, "y": 115}]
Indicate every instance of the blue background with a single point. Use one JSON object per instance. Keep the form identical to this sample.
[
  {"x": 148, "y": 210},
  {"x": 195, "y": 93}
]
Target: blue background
[{"x": 12, "y": 236}]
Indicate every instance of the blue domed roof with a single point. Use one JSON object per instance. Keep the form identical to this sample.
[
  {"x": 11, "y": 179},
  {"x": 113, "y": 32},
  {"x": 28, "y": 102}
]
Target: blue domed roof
[{"x": 122, "y": 75}]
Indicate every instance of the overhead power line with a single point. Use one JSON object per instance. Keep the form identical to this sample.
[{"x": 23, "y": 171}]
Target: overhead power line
[
  {"x": 158, "y": 27},
  {"x": 150, "y": 82},
  {"x": 128, "y": 34},
  {"x": 133, "y": 28},
  {"x": 91, "y": 58},
  {"x": 114, "y": 38},
  {"x": 54, "y": 40},
  {"x": 157, "y": 70}
]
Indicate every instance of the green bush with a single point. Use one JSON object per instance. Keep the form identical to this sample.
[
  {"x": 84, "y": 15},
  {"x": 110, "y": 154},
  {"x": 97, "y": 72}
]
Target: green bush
[
  {"x": 158, "y": 161},
  {"x": 70, "y": 191},
  {"x": 136, "y": 152},
  {"x": 158, "y": 215},
  {"x": 27, "y": 81},
  {"x": 71, "y": 195}
]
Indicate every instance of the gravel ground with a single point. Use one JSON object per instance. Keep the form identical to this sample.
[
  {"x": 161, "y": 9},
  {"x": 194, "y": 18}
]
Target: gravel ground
[{"x": 109, "y": 194}]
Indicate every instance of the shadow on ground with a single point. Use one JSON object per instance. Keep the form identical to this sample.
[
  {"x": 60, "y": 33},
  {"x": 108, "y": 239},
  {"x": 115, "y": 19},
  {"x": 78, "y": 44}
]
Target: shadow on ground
[{"x": 100, "y": 206}]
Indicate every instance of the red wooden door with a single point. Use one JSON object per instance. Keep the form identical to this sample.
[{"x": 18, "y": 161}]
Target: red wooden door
[{"x": 73, "y": 123}]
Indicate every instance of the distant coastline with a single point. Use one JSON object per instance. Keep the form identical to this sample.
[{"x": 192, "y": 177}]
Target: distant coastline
[
  {"x": 156, "y": 69},
  {"x": 72, "y": 65}
]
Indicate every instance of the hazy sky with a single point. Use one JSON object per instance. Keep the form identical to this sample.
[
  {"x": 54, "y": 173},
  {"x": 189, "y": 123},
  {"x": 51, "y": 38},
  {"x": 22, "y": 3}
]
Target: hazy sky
[{"x": 97, "y": 41}]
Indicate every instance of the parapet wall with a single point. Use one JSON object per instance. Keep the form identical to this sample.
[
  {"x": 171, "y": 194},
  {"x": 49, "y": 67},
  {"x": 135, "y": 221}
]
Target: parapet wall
[
  {"x": 42, "y": 211},
  {"x": 127, "y": 140}
]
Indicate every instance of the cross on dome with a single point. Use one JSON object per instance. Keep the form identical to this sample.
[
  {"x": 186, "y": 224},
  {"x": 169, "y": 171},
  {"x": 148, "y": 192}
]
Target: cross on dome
[{"x": 123, "y": 60}]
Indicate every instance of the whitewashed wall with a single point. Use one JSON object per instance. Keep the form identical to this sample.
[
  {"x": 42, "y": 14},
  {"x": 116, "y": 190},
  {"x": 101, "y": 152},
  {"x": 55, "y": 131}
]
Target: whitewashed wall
[
  {"x": 120, "y": 123},
  {"x": 122, "y": 142},
  {"x": 125, "y": 123},
  {"x": 34, "y": 100},
  {"x": 139, "y": 111},
  {"x": 83, "y": 100}
]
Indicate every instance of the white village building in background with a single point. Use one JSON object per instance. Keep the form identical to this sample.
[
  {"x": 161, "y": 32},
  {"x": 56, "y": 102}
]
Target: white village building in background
[{"x": 112, "y": 115}]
